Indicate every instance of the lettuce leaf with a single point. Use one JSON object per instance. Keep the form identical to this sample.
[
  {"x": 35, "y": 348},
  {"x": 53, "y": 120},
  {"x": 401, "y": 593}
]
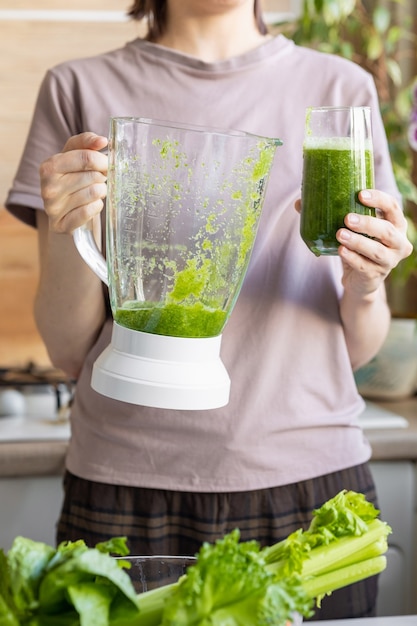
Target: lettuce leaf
[{"x": 72, "y": 585}]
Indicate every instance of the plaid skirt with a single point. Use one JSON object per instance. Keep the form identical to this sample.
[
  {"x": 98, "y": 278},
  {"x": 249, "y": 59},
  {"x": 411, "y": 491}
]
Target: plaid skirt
[{"x": 177, "y": 523}]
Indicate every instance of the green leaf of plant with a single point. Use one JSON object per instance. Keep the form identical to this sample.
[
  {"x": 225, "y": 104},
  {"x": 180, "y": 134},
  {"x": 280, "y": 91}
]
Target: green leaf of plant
[
  {"x": 7, "y": 615},
  {"x": 7, "y": 605},
  {"x": 346, "y": 50},
  {"x": 403, "y": 103},
  {"x": 381, "y": 19},
  {"x": 394, "y": 71},
  {"x": 394, "y": 34},
  {"x": 318, "y": 6},
  {"x": 374, "y": 46},
  {"x": 334, "y": 11},
  {"x": 406, "y": 186},
  {"x": 116, "y": 545},
  {"x": 92, "y": 602},
  {"x": 27, "y": 561},
  {"x": 82, "y": 568}
]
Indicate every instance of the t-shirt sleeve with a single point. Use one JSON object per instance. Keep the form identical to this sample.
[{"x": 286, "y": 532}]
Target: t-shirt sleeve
[{"x": 53, "y": 122}]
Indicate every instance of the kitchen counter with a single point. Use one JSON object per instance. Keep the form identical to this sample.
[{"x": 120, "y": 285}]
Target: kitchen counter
[
  {"x": 47, "y": 457},
  {"x": 32, "y": 458},
  {"x": 390, "y": 444},
  {"x": 402, "y": 620}
]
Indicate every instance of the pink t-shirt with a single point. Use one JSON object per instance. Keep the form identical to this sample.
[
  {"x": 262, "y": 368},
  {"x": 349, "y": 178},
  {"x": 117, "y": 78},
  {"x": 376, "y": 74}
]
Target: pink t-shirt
[{"x": 294, "y": 405}]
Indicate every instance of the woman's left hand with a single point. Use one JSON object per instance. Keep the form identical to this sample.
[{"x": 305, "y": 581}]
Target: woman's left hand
[{"x": 372, "y": 246}]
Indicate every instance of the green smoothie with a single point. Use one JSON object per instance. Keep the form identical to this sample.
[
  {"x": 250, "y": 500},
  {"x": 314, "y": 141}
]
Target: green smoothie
[
  {"x": 177, "y": 320},
  {"x": 333, "y": 174}
]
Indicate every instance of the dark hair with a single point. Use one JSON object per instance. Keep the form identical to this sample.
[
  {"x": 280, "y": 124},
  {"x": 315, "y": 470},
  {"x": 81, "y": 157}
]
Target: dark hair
[{"x": 155, "y": 12}]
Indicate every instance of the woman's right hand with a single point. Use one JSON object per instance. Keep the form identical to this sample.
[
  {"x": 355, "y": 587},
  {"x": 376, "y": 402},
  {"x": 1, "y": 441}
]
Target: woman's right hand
[{"x": 73, "y": 182}]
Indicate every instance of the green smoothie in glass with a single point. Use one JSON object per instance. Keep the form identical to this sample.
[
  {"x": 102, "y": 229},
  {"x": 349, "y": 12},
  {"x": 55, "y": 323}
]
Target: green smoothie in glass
[{"x": 335, "y": 169}]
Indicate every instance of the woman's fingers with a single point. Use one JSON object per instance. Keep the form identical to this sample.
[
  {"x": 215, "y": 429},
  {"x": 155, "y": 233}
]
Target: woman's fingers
[
  {"x": 85, "y": 141},
  {"x": 389, "y": 231},
  {"x": 73, "y": 182},
  {"x": 387, "y": 207},
  {"x": 372, "y": 246}
]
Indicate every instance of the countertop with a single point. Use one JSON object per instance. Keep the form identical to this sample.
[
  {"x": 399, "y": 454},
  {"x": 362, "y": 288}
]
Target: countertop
[
  {"x": 46, "y": 457},
  {"x": 402, "y": 620},
  {"x": 389, "y": 444}
]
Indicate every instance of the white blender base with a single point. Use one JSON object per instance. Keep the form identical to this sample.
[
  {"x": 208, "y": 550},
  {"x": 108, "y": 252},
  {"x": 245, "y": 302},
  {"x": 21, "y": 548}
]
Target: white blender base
[{"x": 161, "y": 371}]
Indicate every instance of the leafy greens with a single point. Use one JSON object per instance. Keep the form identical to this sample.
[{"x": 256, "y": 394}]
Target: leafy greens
[
  {"x": 68, "y": 586},
  {"x": 232, "y": 583}
]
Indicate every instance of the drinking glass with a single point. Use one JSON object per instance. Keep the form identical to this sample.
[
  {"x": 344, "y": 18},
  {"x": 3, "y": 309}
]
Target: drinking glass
[{"x": 337, "y": 164}]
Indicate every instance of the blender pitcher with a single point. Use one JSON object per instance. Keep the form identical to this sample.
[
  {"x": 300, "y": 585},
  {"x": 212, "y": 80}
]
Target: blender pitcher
[{"x": 182, "y": 211}]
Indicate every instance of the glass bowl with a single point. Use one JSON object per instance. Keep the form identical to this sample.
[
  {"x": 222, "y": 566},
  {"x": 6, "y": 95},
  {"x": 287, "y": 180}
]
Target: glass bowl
[{"x": 150, "y": 572}]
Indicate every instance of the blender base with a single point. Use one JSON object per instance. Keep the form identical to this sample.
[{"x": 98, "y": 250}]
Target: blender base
[{"x": 161, "y": 371}]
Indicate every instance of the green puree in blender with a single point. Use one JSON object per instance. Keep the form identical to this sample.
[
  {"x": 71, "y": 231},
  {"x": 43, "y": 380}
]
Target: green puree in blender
[
  {"x": 179, "y": 320},
  {"x": 204, "y": 290},
  {"x": 331, "y": 182},
  {"x": 182, "y": 313}
]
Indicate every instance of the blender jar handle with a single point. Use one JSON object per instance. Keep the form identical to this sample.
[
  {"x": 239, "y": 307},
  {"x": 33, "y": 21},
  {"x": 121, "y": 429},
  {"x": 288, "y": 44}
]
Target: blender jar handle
[{"x": 89, "y": 252}]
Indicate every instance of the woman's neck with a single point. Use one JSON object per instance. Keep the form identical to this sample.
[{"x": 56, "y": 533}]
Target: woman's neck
[{"x": 212, "y": 37}]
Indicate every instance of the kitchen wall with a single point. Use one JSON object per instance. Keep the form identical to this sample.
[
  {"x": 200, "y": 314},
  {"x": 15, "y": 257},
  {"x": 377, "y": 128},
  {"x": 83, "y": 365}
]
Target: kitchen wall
[
  {"x": 32, "y": 40},
  {"x": 33, "y": 37}
]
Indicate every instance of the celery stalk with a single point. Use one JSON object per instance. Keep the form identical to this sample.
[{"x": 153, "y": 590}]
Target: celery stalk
[
  {"x": 152, "y": 602},
  {"x": 324, "y": 584},
  {"x": 344, "y": 544},
  {"x": 151, "y": 606},
  {"x": 360, "y": 552},
  {"x": 347, "y": 550}
]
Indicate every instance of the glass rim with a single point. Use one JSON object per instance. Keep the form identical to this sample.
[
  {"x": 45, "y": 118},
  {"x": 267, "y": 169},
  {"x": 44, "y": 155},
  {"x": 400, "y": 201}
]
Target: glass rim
[
  {"x": 231, "y": 132},
  {"x": 157, "y": 557},
  {"x": 339, "y": 108}
]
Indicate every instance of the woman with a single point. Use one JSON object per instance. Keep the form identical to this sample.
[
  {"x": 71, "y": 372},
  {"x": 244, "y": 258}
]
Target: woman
[{"x": 289, "y": 438}]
